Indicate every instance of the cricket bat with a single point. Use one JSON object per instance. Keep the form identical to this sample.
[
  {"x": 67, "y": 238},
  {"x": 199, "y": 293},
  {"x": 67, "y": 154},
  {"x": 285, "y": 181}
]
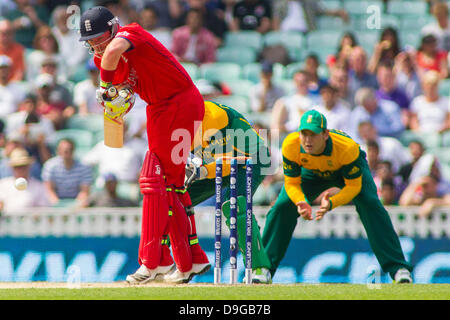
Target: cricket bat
[{"x": 113, "y": 129}]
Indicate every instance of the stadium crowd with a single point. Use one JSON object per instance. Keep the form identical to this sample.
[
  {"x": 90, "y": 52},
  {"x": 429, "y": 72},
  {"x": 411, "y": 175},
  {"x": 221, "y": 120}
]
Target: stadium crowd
[{"x": 386, "y": 85}]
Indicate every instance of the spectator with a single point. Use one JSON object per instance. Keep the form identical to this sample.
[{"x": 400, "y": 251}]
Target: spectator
[
  {"x": 300, "y": 15},
  {"x": 312, "y": 66},
  {"x": 6, "y": 6},
  {"x": 339, "y": 81},
  {"x": 385, "y": 50},
  {"x": 13, "y": 200},
  {"x": 406, "y": 75},
  {"x": 11, "y": 142},
  {"x": 253, "y": 15},
  {"x": 44, "y": 46},
  {"x": 359, "y": 77},
  {"x": 51, "y": 101},
  {"x": 63, "y": 87},
  {"x": 383, "y": 114},
  {"x": 430, "y": 112},
  {"x": 84, "y": 92},
  {"x": 65, "y": 177},
  {"x": 441, "y": 27},
  {"x": 416, "y": 151},
  {"x": 264, "y": 94},
  {"x": 14, "y": 50},
  {"x": 373, "y": 156},
  {"x": 108, "y": 196},
  {"x": 385, "y": 172},
  {"x": 346, "y": 44},
  {"x": 213, "y": 18},
  {"x": 193, "y": 42},
  {"x": 336, "y": 113},
  {"x": 168, "y": 11},
  {"x": 429, "y": 57},
  {"x": 33, "y": 131},
  {"x": 288, "y": 110},
  {"x": 424, "y": 192},
  {"x": 11, "y": 93},
  {"x": 148, "y": 19},
  {"x": 388, "y": 193},
  {"x": 228, "y": 8},
  {"x": 120, "y": 9},
  {"x": 390, "y": 149},
  {"x": 70, "y": 51},
  {"x": 26, "y": 19},
  {"x": 388, "y": 90}
]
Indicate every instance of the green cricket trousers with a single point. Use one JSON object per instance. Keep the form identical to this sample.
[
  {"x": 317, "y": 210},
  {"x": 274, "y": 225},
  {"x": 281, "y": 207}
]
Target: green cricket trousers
[
  {"x": 202, "y": 190},
  {"x": 282, "y": 219}
]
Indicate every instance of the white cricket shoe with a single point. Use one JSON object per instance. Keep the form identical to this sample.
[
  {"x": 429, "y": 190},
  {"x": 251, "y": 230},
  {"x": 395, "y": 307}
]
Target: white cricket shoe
[
  {"x": 144, "y": 275},
  {"x": 261, "y": 276},
  {"x": 403, "y": 276},
  {"x": 184, "y": 277}
]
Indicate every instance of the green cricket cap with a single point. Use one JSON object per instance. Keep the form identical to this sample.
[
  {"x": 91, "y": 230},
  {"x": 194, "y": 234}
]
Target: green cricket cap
[{"x": 313, "y": 120}]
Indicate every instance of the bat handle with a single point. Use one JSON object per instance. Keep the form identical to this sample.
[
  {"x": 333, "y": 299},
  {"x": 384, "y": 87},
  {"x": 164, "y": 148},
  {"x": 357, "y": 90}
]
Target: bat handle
[{"x": 112, "y": 92}]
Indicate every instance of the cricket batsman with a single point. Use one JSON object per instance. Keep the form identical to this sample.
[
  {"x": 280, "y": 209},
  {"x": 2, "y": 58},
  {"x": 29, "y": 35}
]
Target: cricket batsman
[
  {"x": 316, "y": 159},
  {"x": 225, "y": 132},
  {"x": 132, "y": 60}
]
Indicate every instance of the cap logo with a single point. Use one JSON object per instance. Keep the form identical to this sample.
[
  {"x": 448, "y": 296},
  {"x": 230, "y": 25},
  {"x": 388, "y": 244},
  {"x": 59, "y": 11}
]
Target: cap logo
[
  {"x": 309, "y": 120},
  {"x": 87, "y": 25}
]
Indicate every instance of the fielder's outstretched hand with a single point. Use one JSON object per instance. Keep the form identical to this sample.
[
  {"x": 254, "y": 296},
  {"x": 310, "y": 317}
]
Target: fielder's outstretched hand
[
  {"x": 304, "y": 209},
  {"x": 324, "y": 206}
]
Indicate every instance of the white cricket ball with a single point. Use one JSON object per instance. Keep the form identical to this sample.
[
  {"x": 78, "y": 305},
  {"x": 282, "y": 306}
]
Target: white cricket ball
[{"x": 21, "y": 183}]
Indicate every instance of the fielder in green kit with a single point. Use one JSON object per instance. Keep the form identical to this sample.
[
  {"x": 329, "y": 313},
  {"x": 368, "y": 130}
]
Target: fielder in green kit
[
  {"x": 226, "y": 133},
  {"x": 316, "y": 159}
]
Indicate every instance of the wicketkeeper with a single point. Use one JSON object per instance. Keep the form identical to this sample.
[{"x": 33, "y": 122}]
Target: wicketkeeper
[
  {"x": 316, "y": 159},
  {"x": 130, "y": 57},
  {"x": 226, "y": 132}
]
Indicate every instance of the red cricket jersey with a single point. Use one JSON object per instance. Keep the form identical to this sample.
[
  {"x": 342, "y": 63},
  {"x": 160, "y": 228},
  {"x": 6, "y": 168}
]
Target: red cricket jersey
[{"x": 148, "y": 67}]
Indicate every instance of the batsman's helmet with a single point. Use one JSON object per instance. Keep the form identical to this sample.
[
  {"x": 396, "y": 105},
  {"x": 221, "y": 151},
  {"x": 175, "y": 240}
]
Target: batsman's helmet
[{"x": 96, "y": 21}]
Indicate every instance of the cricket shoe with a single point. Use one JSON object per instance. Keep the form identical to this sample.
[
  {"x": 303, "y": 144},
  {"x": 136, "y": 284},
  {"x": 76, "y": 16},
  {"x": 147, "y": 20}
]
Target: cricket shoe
[
  {"x": 260, "y": 276},
  {"x": 403, "y": 276},
  {"x": 144, "y": 275},
  {"x": 184, "y": 277}
]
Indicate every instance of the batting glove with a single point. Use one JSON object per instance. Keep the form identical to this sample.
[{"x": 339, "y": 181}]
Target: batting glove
[
  {"x": 103, "y": 95},
  {"x": 120, "y": 105}
]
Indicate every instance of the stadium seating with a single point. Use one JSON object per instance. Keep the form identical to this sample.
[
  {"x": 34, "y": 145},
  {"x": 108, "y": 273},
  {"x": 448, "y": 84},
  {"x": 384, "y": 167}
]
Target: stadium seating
[
  {"x": 411, "y": 39},
  {"x": 407, "y": 7},
  {"x": 293, "y": 68},
  {"x": 191, "y": 69},
  {"x": 235, "y": 54},
  {"x": 414, "y": 22},
  {"x": 252, "y": 71},
  {"x": 287, "y": 84},
  {"x": 355, "y": 7},
  {"x": 83, "y": 139},
  {"x": 287, "y": 39},
  {"x": 238, "y": 103},
  {"x": 220, "y": 71},
  {"x": 245, "y": 38},
  {"x": 92, "y": 122},
  {"x": 240, "y": 87},
  {"x": 444, "y": 87}
]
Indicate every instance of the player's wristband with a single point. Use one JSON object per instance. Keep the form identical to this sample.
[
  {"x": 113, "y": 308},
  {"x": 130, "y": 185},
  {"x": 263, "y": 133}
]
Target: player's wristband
[{"x": 107, "y": 76}]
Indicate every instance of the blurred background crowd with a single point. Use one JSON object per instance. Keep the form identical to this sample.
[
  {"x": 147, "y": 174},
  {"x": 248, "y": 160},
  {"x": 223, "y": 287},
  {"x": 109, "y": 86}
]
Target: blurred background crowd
[{"x": 378, "y": 70}]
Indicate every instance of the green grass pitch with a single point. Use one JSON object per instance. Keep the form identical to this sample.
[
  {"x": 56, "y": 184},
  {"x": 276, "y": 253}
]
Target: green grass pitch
[{"x": 228, "y": 292}]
